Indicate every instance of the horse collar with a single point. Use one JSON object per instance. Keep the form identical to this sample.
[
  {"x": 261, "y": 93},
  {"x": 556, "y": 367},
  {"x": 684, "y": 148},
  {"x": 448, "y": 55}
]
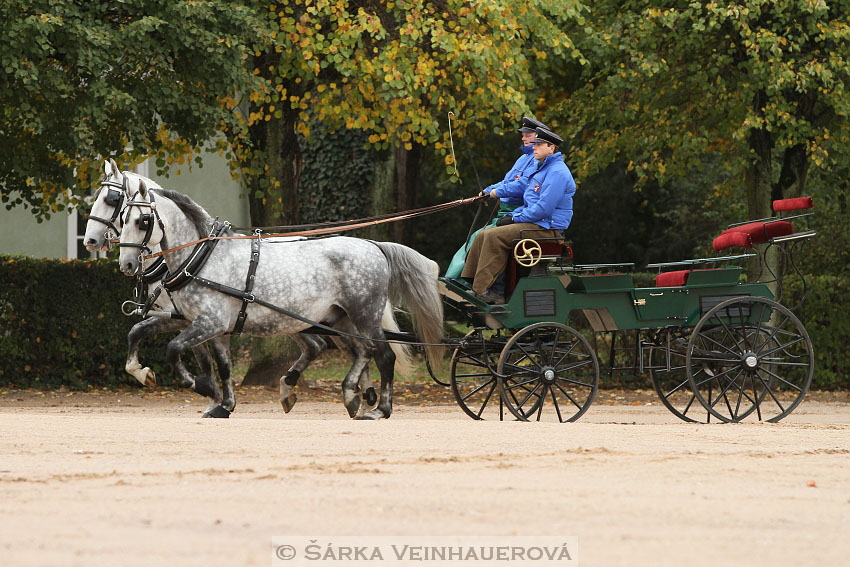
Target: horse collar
[{"x": 184, "y": 273}]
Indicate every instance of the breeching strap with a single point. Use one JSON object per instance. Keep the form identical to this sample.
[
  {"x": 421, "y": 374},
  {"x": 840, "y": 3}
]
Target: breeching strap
[{"x": 330, "y": 228}]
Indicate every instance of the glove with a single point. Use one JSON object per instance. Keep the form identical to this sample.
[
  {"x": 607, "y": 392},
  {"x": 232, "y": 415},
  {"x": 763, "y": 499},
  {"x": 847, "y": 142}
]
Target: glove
[{"x": 505, "y": 220}]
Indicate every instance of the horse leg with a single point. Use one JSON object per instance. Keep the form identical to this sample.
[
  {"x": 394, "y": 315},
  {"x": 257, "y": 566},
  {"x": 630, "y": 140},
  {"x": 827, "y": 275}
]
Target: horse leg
[
  {"x": 221, "y": 351},
  {"x": 364, "y": 385},
  {"x": 205, "y": 363},
  {"x": 385, "y": 361},
  {"x": 198, "y": 331},
  {"x": 142, "y": 330},
  {"x": 311, "y": 347},
  {"x": 350, "y": 395}
]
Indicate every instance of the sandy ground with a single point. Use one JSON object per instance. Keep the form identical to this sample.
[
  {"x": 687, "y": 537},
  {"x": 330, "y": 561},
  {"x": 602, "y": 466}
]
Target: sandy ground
[{"x": 136, "y": 478}]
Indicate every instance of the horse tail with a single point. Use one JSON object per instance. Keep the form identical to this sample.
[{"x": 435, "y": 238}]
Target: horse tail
[
  {"x": 403, "y": 360},
  {"x": 413, "y": 285}
]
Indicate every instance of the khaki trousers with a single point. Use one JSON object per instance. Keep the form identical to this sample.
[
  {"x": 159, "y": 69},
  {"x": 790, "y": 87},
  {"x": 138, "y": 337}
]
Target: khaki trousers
[{"x": 491, "y": 249}]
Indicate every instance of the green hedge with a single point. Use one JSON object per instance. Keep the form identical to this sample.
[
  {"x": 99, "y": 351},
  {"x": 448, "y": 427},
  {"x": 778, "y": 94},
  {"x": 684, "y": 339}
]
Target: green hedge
[
  {"x": 61, "y": 324},
  {"x": 825, "y": 316}
]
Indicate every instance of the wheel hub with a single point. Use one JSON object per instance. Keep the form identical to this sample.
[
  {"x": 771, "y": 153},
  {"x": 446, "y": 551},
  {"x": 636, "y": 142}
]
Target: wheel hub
[
  {"x": 548, "y": 375},
  {"x": 750, "y": 360}
]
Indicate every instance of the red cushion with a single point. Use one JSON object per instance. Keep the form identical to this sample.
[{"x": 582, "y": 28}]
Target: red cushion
[
  {"x": 794, "y": 204},
  {"x": 763, "y": 231},
  {"x": 732, "y": 239},
  {"x": 672, "y": 279}
]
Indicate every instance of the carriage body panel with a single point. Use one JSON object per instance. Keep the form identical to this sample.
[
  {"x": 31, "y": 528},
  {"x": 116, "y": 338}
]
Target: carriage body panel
[{"x": 611, "y": 302}]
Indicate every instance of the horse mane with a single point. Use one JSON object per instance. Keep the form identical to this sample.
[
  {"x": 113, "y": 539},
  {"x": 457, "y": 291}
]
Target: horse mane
[{"x": 193, "y": 211}]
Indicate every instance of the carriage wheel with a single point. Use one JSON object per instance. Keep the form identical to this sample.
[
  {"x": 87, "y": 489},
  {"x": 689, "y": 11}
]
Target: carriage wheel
[
  {"x": 671, "y": 382},
  {"x": 473, "y": 383},
  {"x": 549, "y": 371},
  {"x": 750, "y": 354}
]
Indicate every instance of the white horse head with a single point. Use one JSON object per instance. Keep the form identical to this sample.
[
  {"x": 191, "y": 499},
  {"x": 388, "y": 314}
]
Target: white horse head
[{"x": 104, "y": 224}]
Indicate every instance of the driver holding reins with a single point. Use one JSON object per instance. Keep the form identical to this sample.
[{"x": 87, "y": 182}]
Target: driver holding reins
[{"x": 547, "y": 210}]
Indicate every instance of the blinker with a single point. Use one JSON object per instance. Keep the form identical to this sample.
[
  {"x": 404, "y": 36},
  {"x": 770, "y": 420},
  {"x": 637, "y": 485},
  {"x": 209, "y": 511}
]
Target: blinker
[
  {"x": 145, "y": 221},
  {"x": 113, "y": 197}
]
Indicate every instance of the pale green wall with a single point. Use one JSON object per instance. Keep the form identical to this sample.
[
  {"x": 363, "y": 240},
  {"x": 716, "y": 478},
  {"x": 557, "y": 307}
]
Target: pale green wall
[
  {"x": 211, "y": 186},
  {"x": 21, "y": 234}
]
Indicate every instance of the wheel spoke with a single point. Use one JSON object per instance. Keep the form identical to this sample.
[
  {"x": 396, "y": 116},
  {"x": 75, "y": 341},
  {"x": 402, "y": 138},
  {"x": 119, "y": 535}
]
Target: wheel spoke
[
  {"x": 530, "y": 394},
  {"x": 573, "y": 366},
  {"x": 528, "y": 355},
  {"x": 487, "y": 399},
  {"x": 573, "y": 345},
  {"x": 540, "y": 403},
  {"x": 567, "y": 394},
  {"x": 783, "y": 347},
  {"x": 478, "y": 389},
  {"x": 576, "y": 382},
  {"x": 554, "y": 345},
  {"x": 677, "y": 388},
  {"x": 769, "y": 391},
  {"x": 777, "y": 328},
  {"x": 781, "y": 379},
  {"x": 557, "y": 407},
  {"x": 520, "y": 384}
]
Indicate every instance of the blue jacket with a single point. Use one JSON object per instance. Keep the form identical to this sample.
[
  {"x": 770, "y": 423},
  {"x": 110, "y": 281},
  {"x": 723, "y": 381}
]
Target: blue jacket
[
  {"x": 548, "y": 195},
  {"x": 517, "y": 178}
]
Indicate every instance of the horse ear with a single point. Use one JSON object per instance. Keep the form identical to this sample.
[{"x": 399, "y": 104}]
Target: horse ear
[
  {"x": 107, "y": 167},
  {"x": 143, "y": 189},
  {"x": 114, "y": 165}
]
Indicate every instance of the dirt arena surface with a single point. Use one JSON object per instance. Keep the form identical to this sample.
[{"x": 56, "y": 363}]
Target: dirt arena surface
[{"x": 135, "y": 477}]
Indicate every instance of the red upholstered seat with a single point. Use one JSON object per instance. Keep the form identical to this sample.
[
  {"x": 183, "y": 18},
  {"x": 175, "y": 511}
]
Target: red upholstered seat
[
  {"x": 762, "y": 231},
  {"x": 731, "y": 240},
  {"x": 672, "y": 279},
  {"x": 794, "y": 204}
]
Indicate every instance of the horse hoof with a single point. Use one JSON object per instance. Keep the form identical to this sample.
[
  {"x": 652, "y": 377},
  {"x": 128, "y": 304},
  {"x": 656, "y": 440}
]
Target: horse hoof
[
  {"x": 218, "y": 412},
  {"x": 370, "y": 396},
  {"x": 288, "y": 402},
  {"x": 150, "y": 377},
  {"x": 352, "y": 406},
  {"x": 372, "y": 415}
]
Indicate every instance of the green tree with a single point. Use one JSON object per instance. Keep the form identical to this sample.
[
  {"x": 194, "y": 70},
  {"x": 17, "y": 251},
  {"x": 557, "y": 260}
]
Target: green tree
[
  {"x": 761, "y": 85},
  {"x": 83, "y": 79},
  {"x": 393, "y": 70}
]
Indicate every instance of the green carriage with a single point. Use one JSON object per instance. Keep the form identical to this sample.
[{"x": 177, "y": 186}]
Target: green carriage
[{"x": 715, "y": 346}]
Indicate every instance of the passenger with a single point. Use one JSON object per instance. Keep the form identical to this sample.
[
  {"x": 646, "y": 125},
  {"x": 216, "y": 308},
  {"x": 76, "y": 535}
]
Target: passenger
[
  {"x": 547, "y": 210},
  {"x": 514, "y": 182}
]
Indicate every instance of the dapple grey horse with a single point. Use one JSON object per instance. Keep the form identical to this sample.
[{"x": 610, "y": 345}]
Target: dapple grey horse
[
  {"x": 104, "y": 226},
  {"x": 344, "y": 283}
]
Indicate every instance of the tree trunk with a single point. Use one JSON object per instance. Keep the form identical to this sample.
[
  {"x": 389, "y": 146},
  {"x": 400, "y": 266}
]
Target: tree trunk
[
  {"x": 273, "y": 200},
  {"x": 759, "y": 182},
  {"x": 407, "y": 166},
  {"x": 382, "y": 196}
]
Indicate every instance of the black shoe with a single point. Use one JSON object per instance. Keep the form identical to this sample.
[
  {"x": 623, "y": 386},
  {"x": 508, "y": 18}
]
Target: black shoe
[{"x": 493, "y": 298}]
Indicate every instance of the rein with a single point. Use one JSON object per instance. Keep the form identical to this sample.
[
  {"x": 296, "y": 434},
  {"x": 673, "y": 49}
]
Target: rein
[{"x": 343, "y": 226}]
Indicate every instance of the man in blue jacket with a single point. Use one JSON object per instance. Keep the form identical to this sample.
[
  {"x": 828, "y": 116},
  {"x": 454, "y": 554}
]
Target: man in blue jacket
[
  {"x": 546, "y": 210},
  {"x": 514, "y": 183}
]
